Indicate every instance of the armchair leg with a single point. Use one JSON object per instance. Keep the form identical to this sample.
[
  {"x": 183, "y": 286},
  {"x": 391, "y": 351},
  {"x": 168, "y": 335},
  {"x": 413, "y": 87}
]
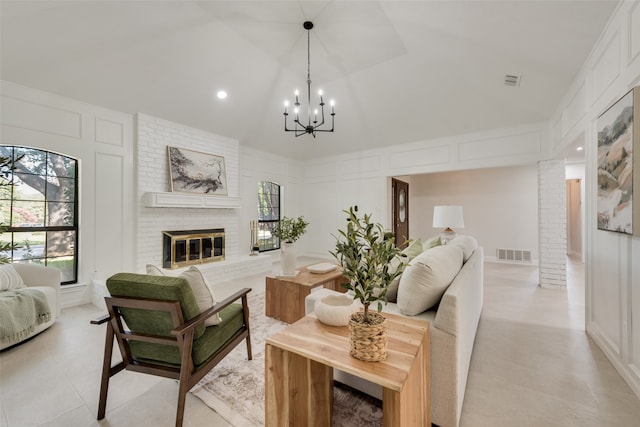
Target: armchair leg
[
  {"x": 106, "y": 371},
  {"x": 182, "y": 396},
  {"x": 245, "y": 313},
  {"x": 185, "y": 344}
]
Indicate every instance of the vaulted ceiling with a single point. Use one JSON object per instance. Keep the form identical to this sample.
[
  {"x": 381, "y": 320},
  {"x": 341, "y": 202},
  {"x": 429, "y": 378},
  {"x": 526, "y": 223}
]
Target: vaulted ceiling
[{"x": 399, "y": 71}]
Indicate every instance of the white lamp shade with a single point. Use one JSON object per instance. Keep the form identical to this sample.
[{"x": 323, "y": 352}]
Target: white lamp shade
[{"x": 447, "y": 217}]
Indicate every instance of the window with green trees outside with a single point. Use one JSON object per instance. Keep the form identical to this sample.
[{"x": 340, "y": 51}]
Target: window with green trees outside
[
  {"x": 39, "y": 209},
  {"x": 268, "y": 215}
]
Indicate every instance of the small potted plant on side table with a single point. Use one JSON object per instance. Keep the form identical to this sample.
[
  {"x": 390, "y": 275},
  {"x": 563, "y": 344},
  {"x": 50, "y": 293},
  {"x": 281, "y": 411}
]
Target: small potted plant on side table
[
  {"x": 365, "y": 253},
  {"x": 289, "y": 230}
]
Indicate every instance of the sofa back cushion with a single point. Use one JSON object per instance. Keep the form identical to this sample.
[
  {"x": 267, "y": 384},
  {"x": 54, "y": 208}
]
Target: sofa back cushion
[
  {"x": 154, "y": 287},
  {"x": 427, "y": 277},
  {"x": 468, "y": 244}
]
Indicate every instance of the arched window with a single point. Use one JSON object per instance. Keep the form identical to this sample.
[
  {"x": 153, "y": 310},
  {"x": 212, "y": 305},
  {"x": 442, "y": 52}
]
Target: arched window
[
  {"x": 268, "y": 215},
  {"x": 39, "y": 209}
]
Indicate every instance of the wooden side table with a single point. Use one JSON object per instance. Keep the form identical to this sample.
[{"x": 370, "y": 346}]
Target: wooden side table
[
  {"x": 299, "y": 363},
  {"x": 285, "y": 295}
]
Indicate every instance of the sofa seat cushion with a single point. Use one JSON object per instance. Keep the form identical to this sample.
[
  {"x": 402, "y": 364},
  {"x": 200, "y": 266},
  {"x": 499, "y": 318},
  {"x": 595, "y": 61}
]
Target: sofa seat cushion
[
  {"x": 213, "y": 339},
  {"x": 427, "y": 315},
  {"x": 427, "y": 277}
]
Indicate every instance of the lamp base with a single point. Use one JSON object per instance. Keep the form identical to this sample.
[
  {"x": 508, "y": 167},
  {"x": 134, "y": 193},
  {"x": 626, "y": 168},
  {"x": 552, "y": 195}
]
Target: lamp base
[{"x": 446, "y": 235}]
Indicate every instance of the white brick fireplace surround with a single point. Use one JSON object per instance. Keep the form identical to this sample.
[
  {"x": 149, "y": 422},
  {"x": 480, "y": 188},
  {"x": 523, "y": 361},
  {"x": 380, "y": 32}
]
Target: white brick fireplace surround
[{"x": 154, "y": 135}]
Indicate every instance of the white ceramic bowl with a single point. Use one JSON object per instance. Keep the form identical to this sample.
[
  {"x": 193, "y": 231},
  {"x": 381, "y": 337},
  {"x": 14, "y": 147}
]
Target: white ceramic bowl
[{"x": 336, "y": 310}]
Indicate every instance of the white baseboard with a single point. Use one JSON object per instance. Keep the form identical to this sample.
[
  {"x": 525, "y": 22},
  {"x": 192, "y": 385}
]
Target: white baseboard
[
  {"x": 630, "y": 374},
  {"x": 72, "y": 295}
]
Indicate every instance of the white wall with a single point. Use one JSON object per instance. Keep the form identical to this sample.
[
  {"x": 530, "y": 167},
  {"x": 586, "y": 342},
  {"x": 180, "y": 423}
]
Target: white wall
[
  {"x": 500, "y": 205},
  {"x": 152, "y": 169},
  {"x": 256, "y": 166},
  {"x": 612, "y": 259},
  {"x": 102, "y": 141},
  {"x": 121, "y": 157},
  {"x": 335, "y": 183}
]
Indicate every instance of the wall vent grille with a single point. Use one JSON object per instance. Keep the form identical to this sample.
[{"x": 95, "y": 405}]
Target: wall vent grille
[
  {"x": 513, "y": 255},
  {"x": 511, "y": 80}
]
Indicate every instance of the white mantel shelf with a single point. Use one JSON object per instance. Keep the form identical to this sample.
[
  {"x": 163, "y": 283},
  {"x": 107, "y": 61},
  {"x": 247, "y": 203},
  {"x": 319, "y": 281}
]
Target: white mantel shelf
[{"x": 184, "y": 200}]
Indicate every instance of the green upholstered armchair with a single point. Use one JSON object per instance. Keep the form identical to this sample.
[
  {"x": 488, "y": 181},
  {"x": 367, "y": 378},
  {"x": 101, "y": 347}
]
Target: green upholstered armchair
[{"x": 160, "y": 331}]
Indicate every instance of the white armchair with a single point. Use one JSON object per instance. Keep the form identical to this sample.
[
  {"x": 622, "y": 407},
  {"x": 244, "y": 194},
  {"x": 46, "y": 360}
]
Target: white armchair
[{"x": 46, "y": 280}]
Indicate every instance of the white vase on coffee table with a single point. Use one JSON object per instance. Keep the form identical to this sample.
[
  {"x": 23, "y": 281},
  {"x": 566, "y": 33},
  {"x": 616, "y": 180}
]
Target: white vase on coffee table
[{"x": 288, "y": 258}]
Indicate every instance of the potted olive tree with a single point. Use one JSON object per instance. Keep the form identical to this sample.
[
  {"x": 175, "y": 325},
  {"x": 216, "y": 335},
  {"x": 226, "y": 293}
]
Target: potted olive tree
[
  {"x": 289, "y": 230},
  {"x": 365, "y": 253}
]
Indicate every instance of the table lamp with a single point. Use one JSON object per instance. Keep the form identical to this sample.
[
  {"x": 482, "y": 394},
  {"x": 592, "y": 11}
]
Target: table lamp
[{"x": 447, "y": 217}]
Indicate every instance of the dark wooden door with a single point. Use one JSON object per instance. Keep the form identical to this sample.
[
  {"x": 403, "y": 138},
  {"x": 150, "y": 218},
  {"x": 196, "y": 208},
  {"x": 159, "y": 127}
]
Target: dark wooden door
[{"x": 400, "y": 212}]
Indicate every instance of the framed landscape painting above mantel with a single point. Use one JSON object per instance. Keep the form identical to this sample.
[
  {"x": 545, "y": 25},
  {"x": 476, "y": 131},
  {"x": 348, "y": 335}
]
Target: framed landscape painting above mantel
[
  {"x": 196, "y": 172},
  {"x": 618, "y": 170}
]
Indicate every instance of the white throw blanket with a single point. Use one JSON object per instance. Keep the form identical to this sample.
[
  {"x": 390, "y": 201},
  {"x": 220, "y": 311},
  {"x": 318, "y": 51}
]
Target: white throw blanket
[{"x": 21, "y": 310}]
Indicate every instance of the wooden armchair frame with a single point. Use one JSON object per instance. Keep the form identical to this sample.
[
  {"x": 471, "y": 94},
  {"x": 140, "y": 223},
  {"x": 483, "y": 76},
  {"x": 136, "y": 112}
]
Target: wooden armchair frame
[{"x": 183, "y": 335}]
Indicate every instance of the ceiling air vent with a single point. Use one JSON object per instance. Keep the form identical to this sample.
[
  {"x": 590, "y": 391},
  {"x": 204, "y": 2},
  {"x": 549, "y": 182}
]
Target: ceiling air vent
[{"x": 511, "y": 80}]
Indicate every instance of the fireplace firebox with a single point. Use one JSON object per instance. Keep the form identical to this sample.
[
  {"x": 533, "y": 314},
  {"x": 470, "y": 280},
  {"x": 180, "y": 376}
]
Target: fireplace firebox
[{"x": 188, "y": 247}]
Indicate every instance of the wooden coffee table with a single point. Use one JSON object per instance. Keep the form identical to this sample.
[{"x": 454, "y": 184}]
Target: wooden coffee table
[
  {"x": 285, "y": 295},
  {"x": 299, "y": 363}
]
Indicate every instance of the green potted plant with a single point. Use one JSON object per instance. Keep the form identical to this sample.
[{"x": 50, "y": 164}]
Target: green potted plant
[
  {"x": 289, "y": 230},
  {"x": 365, "y": 252}
]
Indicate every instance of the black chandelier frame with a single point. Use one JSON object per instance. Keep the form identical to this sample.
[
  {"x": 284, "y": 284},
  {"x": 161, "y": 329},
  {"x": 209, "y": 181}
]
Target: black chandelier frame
[{"x": 312, "y": 127}]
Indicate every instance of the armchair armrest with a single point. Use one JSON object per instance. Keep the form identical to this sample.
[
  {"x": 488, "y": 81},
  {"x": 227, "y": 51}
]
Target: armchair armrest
[
  {"x": 191, "y": 324},
  {"x": 100, "y": 320}
]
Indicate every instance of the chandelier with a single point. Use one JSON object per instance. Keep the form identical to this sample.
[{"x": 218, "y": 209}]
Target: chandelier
[{"x": 312, "y": 126}]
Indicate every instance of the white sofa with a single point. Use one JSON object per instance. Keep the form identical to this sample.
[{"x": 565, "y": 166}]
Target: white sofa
[
  {"x": 453, "y": 329},
  {"x": 46, "y": 280}
]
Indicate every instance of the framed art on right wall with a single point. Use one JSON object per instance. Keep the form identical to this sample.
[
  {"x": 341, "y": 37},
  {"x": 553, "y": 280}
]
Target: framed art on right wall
[{"x": 618, "y": 169}]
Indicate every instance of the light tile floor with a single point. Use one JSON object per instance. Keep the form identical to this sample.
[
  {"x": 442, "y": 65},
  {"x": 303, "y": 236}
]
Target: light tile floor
[{"x": 533, "y": 365}]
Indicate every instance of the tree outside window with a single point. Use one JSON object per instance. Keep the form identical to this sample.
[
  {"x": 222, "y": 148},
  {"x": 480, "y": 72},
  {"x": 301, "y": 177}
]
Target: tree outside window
[
  {"x": 268, "y": 215},
  {"x": 38, "y": 209}
]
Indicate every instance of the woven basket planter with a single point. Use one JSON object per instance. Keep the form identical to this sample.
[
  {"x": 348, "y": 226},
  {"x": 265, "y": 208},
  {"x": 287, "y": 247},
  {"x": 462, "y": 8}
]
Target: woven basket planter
[{"x": 368, "y": 340}]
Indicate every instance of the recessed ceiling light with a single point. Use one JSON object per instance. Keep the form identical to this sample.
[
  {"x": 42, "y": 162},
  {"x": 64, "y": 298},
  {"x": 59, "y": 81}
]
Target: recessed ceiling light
[
  {"x": 579, "y": 148},
  {"x": 221, "y": 94}
]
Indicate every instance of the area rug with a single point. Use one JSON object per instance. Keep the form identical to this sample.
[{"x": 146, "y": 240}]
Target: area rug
[{"x": 235, "y": 387}]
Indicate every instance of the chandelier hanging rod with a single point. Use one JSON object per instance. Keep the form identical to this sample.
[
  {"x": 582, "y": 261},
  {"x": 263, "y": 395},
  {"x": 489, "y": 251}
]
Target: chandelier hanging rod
[{"x": 312, "y": 126}]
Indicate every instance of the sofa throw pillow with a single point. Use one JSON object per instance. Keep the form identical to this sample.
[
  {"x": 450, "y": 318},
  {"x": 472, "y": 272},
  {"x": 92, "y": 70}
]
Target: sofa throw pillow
[
  {"x": 9, "y": 278},
  {"x": 427, "y": 277},
  {"x": 468, "y": 244},
  {"x": 203, "y": 293},
  {"x": 200, "y": 287},
  {"x": 414, "y": 249},
  {"x": 392, "y": 289},
  {"x": 431, "y": 242},
  {"x": 152, "y": 270}
]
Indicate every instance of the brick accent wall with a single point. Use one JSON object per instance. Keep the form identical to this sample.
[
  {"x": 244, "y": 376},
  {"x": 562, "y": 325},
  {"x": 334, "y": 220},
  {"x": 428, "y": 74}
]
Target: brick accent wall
[
  {"x": 552, "y": 224},
  {"x": 154, "y": 135}
]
